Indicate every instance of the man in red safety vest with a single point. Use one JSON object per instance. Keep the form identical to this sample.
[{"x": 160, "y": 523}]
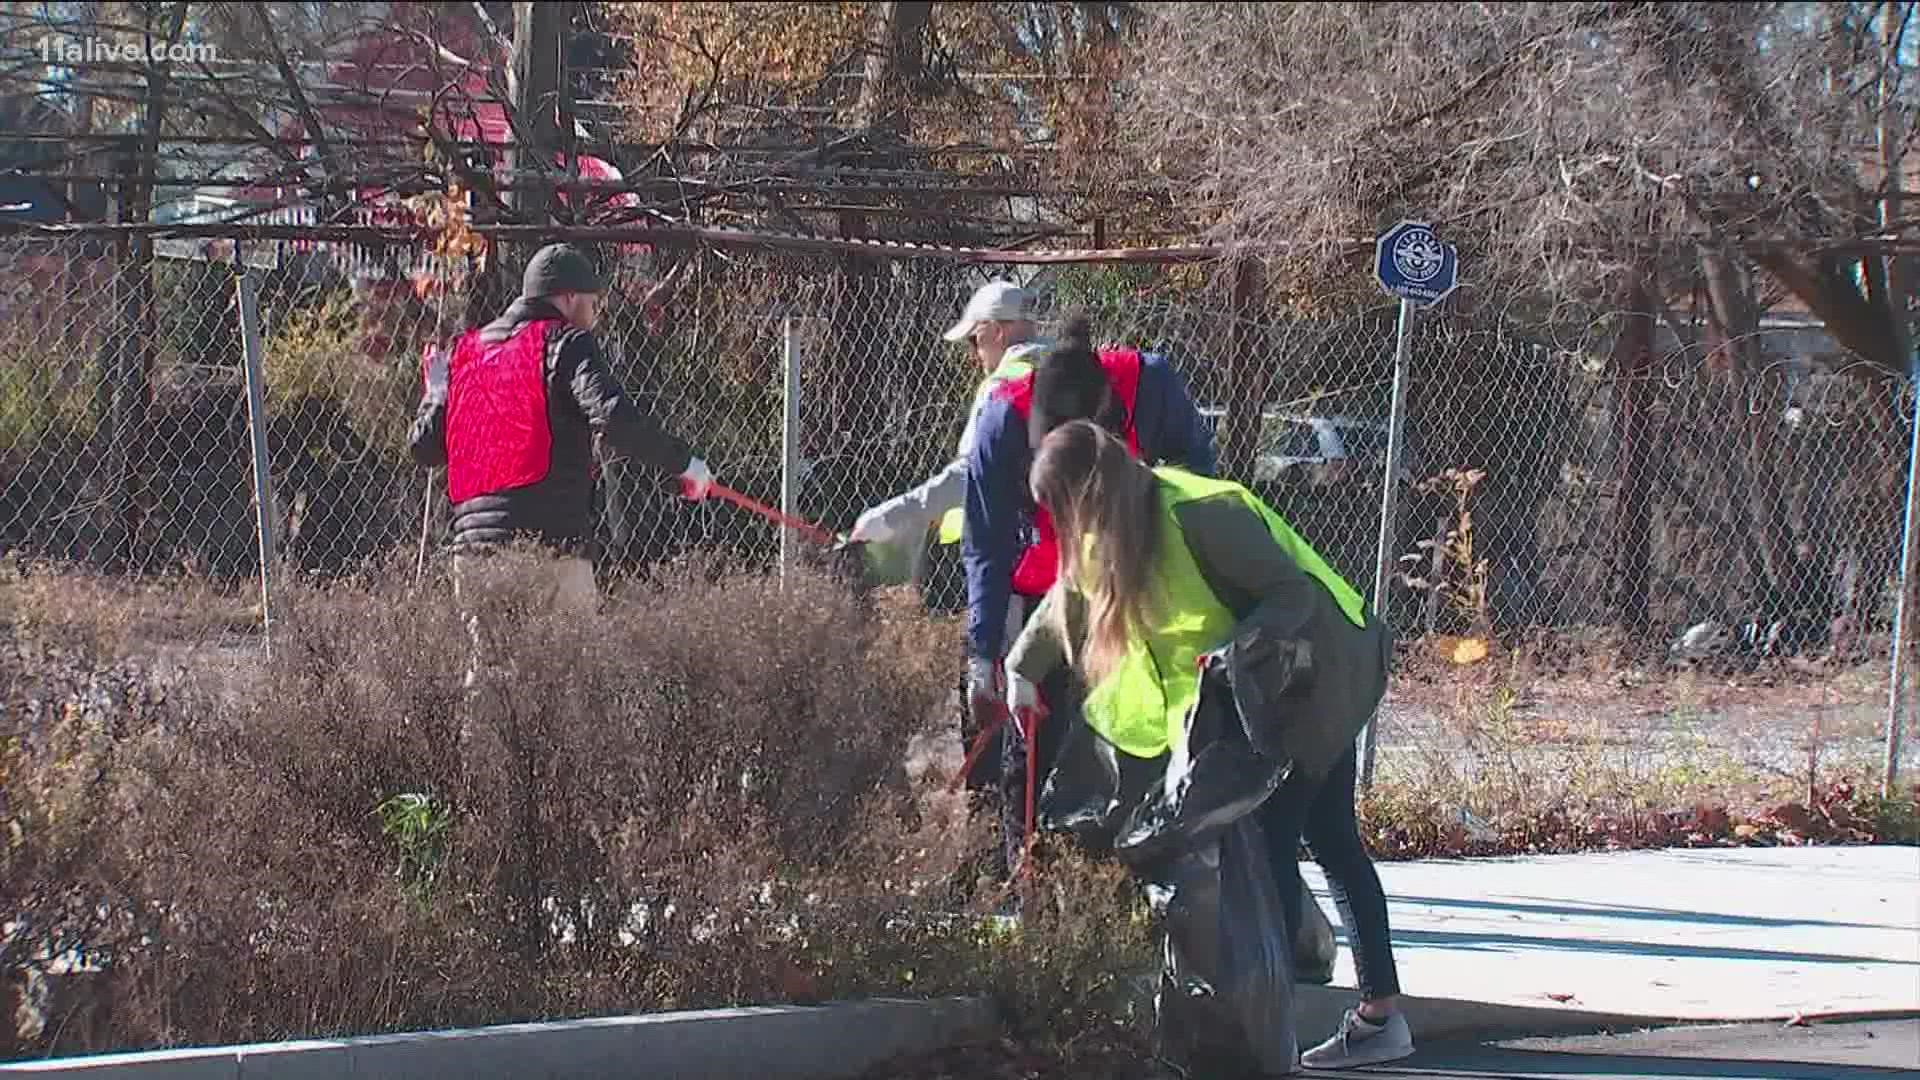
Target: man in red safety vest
[{"x": 512, "y": 411}]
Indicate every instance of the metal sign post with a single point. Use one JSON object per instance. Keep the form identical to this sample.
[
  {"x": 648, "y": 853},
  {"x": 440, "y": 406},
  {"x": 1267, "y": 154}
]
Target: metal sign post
[
  {"x": 1902, "y": 615},
  {"x": 1412, "y": 264}
]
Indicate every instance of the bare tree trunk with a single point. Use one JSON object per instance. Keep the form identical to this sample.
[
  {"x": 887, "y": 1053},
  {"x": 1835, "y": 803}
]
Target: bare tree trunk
[
  {"x": 130, "y": 371},
  {"x": 1897, "y": 274},
  {"x": 1768, "y": 525},
  {"x": 1633, "y": 420},
  {"x": 534, "y": 85},
  {"x": 895, "y": 33},
  {"x": 81, "y": 126},
  {"x": 1899, "y": 270},
  {"x": 87, "y": 16},
  {"x": 856, "y": 372}
]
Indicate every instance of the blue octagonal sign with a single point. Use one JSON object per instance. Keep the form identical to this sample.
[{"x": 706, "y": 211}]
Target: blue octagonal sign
[{"x": 1412, "y": 264}]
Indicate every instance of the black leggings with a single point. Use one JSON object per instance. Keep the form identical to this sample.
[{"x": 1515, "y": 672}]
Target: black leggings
[{"x": 1320, "y": 810}]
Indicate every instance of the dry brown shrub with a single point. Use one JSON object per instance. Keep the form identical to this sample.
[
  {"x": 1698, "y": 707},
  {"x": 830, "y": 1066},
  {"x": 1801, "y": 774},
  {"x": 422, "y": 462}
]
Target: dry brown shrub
[{"x": 695, "y": 797}]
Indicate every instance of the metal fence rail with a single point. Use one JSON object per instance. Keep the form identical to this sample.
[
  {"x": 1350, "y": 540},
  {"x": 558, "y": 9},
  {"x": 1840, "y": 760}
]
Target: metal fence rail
[{"x": 1547, "y": 496}]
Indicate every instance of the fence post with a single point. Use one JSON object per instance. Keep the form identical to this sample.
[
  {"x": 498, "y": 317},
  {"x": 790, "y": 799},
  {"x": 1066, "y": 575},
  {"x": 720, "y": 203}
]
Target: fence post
[
  {"x": 253, "y": 362},
  {"x": 789, "y": 435},
  {"x": 1389, "y": 490},
  {"x": 1244, "y": 398},
  {"x": 1902, "y": 610},
  {"x": 123, "y": 380}
]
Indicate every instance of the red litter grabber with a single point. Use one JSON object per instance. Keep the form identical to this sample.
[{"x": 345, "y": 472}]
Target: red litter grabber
[
  {"x": 1029, "y": 721},
  {"x": 805, "y": 528}
]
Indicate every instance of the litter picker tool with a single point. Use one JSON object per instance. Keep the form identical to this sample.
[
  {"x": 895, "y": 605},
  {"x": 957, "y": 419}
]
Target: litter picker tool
[
  {"x": 1029, "y": 721},
  {"x": 805, "y": 528}
]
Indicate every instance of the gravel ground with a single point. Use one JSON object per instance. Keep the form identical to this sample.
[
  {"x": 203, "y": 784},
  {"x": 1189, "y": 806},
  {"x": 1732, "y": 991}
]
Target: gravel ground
[
  {"x": 1645, "y": 720},
  {"x": 1633, "y": 721}
]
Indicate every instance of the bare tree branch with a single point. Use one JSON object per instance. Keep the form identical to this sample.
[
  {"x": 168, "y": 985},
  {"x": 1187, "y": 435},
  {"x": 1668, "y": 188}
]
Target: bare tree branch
[{"x": 315, "y": 130}]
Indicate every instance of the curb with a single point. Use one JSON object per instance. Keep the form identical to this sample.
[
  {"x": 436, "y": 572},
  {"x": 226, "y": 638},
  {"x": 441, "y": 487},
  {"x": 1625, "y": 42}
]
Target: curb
[
  {"x": 820, "y": 1042},
  {"x": 1317, "y": 1011}
]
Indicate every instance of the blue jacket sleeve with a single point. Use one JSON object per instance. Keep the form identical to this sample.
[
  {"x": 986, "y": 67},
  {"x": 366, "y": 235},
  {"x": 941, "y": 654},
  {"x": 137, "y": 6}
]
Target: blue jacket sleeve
[
  {"x": 1170, "y": 425},
  {"x": 996, "y": 498}
]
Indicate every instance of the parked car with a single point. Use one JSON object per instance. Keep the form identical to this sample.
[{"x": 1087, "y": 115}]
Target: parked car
[
  {"x": 1298, "y": 448},
  {"x": 196, "y": 209}
]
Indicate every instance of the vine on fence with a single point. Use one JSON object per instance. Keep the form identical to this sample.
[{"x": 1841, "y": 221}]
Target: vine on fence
[{"x": 1456, "y": 575}]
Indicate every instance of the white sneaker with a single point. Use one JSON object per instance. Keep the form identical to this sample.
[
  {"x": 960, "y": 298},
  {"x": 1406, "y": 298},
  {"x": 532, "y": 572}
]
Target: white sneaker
[{"x": 1361, "y": 1042}]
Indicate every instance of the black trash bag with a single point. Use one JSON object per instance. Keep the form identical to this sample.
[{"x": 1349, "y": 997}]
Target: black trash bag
[
  {"x": 1114, "y": 800},
  {"x": 1184, "y": 825},
  {"x": 1216, "y": 778},
  {"x": 1269, "y": 678},
  {"x": 1224, "y": 1005},
  {"x": 1093, "y": 786},
  {"x": 1092, "y": 790}
]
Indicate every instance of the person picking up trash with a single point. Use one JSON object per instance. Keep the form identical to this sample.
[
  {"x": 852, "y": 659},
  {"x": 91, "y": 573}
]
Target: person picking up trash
[
  {"x": 1159, "y": 567},
  {"x": 998, "y": 327},
  {"x": 512, "y": 411},
  {"x": 513, "y": 414},
  {"x": 1007, "y": 543}
]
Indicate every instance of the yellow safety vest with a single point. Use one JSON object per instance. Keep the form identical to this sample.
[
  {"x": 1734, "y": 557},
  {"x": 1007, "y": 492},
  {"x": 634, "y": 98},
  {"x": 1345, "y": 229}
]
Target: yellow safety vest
[
  {"x": 953, "y": 523},
  {"x": 1142, "y": 706}
]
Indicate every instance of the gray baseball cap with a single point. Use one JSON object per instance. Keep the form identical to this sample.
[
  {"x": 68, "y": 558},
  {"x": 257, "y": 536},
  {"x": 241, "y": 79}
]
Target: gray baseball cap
[
  {"x": 559, "y": 268},
  {"x": 996, "y": 301}
]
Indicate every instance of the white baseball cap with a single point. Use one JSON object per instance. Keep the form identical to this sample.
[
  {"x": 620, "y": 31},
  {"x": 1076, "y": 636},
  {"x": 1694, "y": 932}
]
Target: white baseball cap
[{"x": 996, "y": 301}]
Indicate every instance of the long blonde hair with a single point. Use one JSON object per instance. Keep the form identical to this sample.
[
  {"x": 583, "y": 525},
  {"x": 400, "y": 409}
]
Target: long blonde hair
[{"x": 1101, "y": 500}]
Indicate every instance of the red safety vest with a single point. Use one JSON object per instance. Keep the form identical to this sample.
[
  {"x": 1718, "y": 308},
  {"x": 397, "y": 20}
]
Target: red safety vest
[
  {"x": 498, "y": 435},
  {"x": 1037, "y": 567}
]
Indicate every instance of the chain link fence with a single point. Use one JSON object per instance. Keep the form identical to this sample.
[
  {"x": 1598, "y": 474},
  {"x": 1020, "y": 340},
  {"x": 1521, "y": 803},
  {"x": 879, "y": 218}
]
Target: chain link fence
[
  {"x": 122, "y": 430},
  {"x": 1553, "y": 495}
]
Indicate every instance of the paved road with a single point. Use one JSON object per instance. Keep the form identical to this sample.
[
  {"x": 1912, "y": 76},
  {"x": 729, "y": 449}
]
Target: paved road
[{"x": 1872, "y": 1050}]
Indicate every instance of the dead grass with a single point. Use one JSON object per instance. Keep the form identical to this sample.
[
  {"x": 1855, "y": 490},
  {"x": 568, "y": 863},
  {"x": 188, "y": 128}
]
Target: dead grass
[
  {"x": 693, "y": 798},
  {"x": 113, "y": 615},
  {"x": 1495, "y": 759}
]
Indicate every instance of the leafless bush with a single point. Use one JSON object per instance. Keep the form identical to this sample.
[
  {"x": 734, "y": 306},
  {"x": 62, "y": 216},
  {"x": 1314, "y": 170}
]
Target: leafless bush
[{"x": 693, "y": 797}]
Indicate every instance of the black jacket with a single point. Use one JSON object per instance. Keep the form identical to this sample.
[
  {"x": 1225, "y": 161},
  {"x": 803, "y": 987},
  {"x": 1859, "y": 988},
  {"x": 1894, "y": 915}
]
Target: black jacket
[{"x": 582, "y": 398}]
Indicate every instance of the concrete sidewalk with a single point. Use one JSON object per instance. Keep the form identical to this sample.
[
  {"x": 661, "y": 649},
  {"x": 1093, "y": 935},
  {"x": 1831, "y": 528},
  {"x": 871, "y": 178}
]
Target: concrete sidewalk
[{"x": 1709, "y": 935}]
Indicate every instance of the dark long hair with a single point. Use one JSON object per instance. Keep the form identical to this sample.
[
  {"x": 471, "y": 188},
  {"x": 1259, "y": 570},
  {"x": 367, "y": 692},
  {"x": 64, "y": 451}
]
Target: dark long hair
[
  {"x": 1102, "y": 501},
  {"x": 1069, "y": 384}
]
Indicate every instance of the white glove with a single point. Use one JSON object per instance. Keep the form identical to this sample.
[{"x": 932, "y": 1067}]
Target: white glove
[
  {"x": 696, "y": 481},
  {"x": 983, "y": 680},
  {"x": 871, "y": 528},
  {"x": 1021, "y": 694}
]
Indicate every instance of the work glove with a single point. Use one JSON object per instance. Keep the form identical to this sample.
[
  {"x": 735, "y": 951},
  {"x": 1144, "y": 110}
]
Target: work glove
[
  {"x": 1022, "y": 696},
  {"x": 871, "y": 528},
  {"x": 696, "y": 482}
]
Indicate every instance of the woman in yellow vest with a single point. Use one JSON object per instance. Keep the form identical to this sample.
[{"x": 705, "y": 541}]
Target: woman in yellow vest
[{"x": 1159, "y": 566}]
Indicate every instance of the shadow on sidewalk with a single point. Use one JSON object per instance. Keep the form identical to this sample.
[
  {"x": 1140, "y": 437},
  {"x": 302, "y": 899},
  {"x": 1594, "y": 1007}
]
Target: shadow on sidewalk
[
  {"x": 1532, "y": 905},
  {"x": 1479, "y": 941}
]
